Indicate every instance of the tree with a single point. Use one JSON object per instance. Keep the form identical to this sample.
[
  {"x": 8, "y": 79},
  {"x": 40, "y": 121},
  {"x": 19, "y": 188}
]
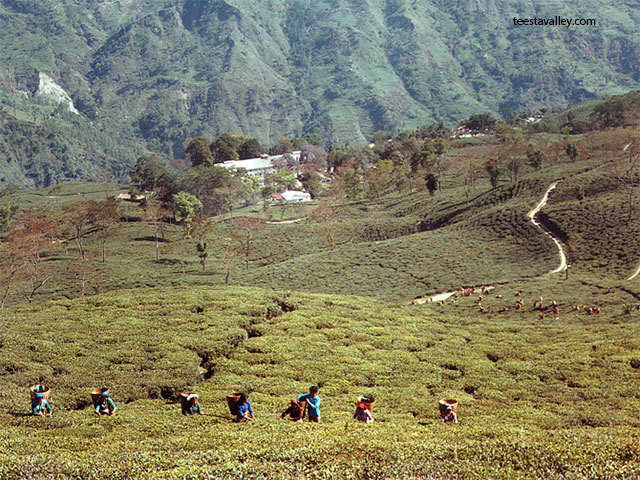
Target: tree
[
  {"x": 224, "y": 148},
  {"x": 199, "y": 152},
  {"x": 12, "y": 266},
  {"x": 201, "y": 232},
  {"x": 494, "y": 171},
  {"x": 353, "y": 184},
  {"x": 379, "y": 178},
  {"x": 314, "y": 157},
  {"x": 283, "y": 146},
  {"x": 250, "y": 148},
  {"x": 572, "y": 152},
  {"x": 185, "y": 207},
  {"x": 243, "y": 234},
  {"x": 469, "y": 172},
  {"x": 34, "y": 232},
  {"x": 152, "y": 174},
  {"x": 250, "y": 188},
  {"x": 431, "y": 182},
  {"x": 204, "y": 182},
  {"x": 535, "y": 158},
  {"x": 228, "y": 257},
  {"x": 435, "y": 130},
  {"x": 480, "y": 122},
  {"x": 429, "y": 156},
  {"x": 324, "y": 215},
  {"x": 104, "y": 216},
  {"x": 7, "y": 213},
  {"x": 77, "y": 221},
  {"x": 282, "y": 180},
  {"x": 84, "y": 272},
  {"x": 608, "y": 114},
  {"x": 514, "y": 166},
  {"x": 155, "y": 214}
]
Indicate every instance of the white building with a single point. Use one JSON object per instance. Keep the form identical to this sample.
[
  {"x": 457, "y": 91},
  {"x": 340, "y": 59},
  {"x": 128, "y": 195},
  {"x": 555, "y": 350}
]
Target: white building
[
  {"x": 258, "y": 167},
  {"x": 293, "y": 196}
]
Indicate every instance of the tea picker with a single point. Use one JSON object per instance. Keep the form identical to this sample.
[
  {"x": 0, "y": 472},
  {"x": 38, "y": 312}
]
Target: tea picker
[
  {"x": 102, "y": 402},
  {"x": 40, "y": 400},
  {"x": 448, "y": 411},
  {"x": 364, "y": 409},
  {"x": 313, "y": 403},
  {"x": 190, "y": 404},
  {"x": 240, "y": 407}
]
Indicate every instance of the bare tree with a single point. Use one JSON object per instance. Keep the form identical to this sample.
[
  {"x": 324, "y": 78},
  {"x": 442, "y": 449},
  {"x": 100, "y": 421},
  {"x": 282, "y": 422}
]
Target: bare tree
[{"x": 244, "y": 232}]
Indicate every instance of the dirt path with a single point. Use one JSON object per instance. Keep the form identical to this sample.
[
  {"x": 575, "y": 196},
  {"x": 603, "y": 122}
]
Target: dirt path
[
  {"x": 283, "y": 222},
  {"x": 532, "y": 215},
  {"x": 637, "y": 272}
]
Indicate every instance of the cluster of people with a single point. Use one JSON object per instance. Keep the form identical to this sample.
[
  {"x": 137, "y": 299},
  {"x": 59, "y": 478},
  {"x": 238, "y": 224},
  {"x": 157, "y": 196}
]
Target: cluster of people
[{"x": 305, "y": 404}]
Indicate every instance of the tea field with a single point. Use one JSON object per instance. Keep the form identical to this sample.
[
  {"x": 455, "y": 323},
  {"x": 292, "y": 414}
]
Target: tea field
[{"x": 551, "y": 398}]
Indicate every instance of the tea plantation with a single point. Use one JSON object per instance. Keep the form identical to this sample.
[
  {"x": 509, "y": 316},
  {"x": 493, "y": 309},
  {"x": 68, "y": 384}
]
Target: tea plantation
[{"x": 551, "y": 398}]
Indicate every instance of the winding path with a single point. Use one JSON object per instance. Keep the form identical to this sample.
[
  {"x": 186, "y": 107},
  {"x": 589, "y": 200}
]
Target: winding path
[
  {"x": 532, "y": 215},
  {"x": 636, "y": 273}
]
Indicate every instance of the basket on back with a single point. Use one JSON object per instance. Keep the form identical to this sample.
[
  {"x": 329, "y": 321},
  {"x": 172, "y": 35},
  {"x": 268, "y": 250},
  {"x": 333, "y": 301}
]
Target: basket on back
[
  {"x": 46, "y": 392},
  {"x": 232, "y": 401},
  {"x": 368, "y": 402},
  {"x": 186, "y": 403},
  {"x": 95, "y": 397}
]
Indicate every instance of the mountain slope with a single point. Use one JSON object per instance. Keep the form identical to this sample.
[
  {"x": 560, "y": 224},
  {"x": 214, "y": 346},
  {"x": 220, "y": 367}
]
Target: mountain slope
[{"x": 164, "y": 71}]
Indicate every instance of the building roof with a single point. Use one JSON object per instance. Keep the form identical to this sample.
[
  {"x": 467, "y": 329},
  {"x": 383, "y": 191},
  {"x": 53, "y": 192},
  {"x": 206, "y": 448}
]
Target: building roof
[
  {"x": 256, "y": 163},
  {"x": 291, "y": 195},
  {"x": 250, "y": 164}
]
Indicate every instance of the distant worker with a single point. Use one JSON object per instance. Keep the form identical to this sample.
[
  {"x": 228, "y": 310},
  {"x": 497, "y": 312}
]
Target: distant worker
[
  {"x": 105, "y": 404},
  {"x": 40, "y": 406},
  {"x": 362, "y": 413},
  {"x": 313, "y": 403},
  {"x": 192, "y": 405},
  {"x": 449, "y": 416},
  {"x": 245, "y": 412}
]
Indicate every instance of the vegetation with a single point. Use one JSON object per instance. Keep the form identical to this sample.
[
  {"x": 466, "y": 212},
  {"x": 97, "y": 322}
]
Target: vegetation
[
  {"x": 554, "y": 398},
  {"x": 156, "y": 295},
  {"x": 147, "y": 75}
]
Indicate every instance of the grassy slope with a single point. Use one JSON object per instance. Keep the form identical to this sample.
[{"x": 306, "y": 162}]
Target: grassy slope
[
  {"x": 556, "y": 398},
  {"x": 380, "y": 248}
]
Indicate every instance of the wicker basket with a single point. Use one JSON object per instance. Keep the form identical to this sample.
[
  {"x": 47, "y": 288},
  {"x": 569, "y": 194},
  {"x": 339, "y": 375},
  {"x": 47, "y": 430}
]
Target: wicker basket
[
  {"x": 95, "y": 397},
  {"x": 232, "y": 401},
  {"x": 46, "y": 393},
  {"x": 367, "y": 401},
  {"x": 185, "y": 404}
]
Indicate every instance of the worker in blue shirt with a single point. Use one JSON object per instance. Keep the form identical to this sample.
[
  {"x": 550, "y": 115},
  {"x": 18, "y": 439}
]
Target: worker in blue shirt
[
  {"x": 105, "y": 405},
  {"x": 40, "y": 406},
  {"x": 313, "y": 403},
  {"x": 245, "y": 412}
]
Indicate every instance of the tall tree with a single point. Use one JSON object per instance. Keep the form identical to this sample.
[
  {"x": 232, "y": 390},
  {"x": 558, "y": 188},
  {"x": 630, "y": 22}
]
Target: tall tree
[
  {"x": 250, "y": 148},
  {"x": 224, "y": 148},
  {"x": 199, "y": 152}
]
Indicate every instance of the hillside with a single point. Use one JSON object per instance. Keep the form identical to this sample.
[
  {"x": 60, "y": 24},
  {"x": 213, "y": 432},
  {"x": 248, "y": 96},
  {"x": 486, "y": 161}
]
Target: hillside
[
  {"x": 556, "y": 398},
  {"x": 164, "y": 71}
]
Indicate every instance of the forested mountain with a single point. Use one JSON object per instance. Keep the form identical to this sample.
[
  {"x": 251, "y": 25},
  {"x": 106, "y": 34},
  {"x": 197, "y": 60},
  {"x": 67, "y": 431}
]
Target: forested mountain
[{"x": 147, "y": 74}]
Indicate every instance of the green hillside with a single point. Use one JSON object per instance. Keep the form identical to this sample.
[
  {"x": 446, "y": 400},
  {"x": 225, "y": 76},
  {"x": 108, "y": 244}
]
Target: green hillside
[
  {"x": 147, "y": 75},
  {"x": 556, "y": 398}
]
